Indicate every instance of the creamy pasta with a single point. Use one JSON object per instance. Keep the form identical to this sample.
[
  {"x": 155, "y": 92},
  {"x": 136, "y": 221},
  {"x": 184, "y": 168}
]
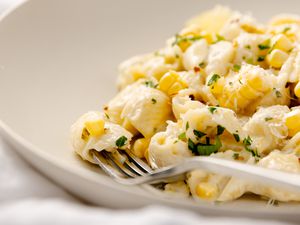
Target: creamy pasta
[{"x": 225, "y": 86}]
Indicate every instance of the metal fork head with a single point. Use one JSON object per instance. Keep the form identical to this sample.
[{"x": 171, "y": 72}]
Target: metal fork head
[{"x": 125, "y": 168}]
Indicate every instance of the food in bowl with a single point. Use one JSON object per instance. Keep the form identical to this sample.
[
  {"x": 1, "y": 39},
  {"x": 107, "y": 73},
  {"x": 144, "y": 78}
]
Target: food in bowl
[{"x": 226, "y": 86}]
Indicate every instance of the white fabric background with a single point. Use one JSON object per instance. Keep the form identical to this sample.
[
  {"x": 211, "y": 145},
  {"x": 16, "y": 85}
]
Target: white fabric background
[{"x": 27, "y": 198}]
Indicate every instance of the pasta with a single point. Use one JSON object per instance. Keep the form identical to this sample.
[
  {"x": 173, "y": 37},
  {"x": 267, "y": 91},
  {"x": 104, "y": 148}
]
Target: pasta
[{"x": 226, "y": 86}]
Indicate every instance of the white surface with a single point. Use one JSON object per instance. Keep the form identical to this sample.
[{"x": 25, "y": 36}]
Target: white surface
[{"x": 51, "y": 58}]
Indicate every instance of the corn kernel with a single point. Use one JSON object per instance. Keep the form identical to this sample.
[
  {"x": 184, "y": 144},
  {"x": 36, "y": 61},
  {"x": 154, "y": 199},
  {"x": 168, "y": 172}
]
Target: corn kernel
[
  {"x": 217, "y": 87},
  {"x": 248, "y": 92},
  {"x": 207, "y": 190},
  {"x": 128, "y": 126},
  {"x": 95, "y": 128},
  {"x": 175, "y": 88},
  {"x": 167, "y": 81},
  {"x": 292, "y": 121},
  {"x": 281, "y": 42},
  {"x": 257, "y": 83},
  {"x": 140, "y": 146},
  {"x": 171, "y": 83},
  {"x": 276, "y": 58},
  {"x": 297, "y": 90}
]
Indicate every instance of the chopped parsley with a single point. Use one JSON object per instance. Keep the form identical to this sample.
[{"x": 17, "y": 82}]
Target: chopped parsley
[
  {"x": 201, "y": 65},
  {"x": 182, "y": 136},
  {"x": 180, "y": 39},
  {"x": 248, "y": 47},
  {"x": 220, "y": 130},
  {"x": 261, "y": 58},
  {"x": 150, "y": 84},
  {"x": 236, "y": 67},
  {"x": 187, "y": 126},
  {"x": 192, "y": 146},
  {"x": 268, "y": 118},
  {"x": 230, "y": 83},
  {"x": 120, "y": 142},
  {"x": 106, "y": 115},
  {"x": 198, "y": 133},
  {"x": 212, "y": 109},
  {"x": 250, "y": 61},
  {"x": 153, "y": 100},
  {"x": 219, "y": 38},
  {"x": 240, "y": 82},
  {"x": 213, "y": 79},
  {"x": 235, "y": 156},
  {"x": 277, "y": 93},
  {"x": 207, "y": 149},
  {"x": 286, "y": 29},
  {"x": 263, "y": 46},
  {"x": 247, "y": 143},
  {"x": 204, "y": 149},
  {"x": 236, "y": 137}
]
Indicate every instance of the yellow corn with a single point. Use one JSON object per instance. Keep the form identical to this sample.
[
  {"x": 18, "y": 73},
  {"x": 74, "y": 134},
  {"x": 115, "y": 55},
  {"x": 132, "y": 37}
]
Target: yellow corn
[
  {"x": 257, "y": 83},
  {"x": 140, "y": 146},
  {"x": 281, "y": 42},
  {"x": 95, "y": 128},
  {"x": 240, "y": 94},
  {"x": 292, "y": 121},
  {"x": 297, "y": 90},
  {"x": 217, "y": 87},
  {"x": 207, "y": 190},
  {"x": 128, "y": 126},
  {"x": 276, "y": 58},
  {"x": 171, "y": 83},
  {"x": 248, "y": 92}
]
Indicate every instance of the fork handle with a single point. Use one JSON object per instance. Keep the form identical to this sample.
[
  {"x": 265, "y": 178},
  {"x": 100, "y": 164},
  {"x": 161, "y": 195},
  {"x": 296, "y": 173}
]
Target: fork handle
[{"x": 226, "y": 167}]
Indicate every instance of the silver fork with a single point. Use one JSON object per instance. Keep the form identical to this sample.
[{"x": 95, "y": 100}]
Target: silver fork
[{"x": 127, "y": 169}]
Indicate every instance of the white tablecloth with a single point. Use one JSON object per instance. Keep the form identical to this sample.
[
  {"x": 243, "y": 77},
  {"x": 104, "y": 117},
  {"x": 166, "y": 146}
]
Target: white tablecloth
[{"x": 26, "y": 197}]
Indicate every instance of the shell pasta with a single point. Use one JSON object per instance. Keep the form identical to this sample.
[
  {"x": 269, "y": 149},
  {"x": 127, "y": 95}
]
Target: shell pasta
[{"x": 225, "y": 86}]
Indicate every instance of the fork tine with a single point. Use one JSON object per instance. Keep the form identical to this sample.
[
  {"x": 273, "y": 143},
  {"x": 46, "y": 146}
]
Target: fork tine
[
  {"x": 105, "y": 166},
  {"x": 118, "y": 164},
  {"x": 138, "y": 162},
  {"x": 129, "y": 164}
]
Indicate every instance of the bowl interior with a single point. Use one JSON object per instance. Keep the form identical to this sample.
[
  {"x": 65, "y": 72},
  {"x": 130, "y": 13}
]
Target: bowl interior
[{"x": 59, "y": 58}]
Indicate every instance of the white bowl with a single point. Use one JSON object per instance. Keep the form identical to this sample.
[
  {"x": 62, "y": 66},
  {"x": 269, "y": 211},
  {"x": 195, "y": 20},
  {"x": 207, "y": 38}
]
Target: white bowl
[{"x": 58, "y": 59}]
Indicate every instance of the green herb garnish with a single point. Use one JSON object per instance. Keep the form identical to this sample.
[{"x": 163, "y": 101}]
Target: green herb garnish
[
  {"x": 219, "y": 38},
  {"x": 150, "y": 84},
  {"x": 198, "y": 133},
  {"x": 201, "y": 65},
  {"x": 220, "y": 130},
  {"x": 235, "y": 156},
  {"x": 213, "y": 79},
  {"x": 236, "y": 67},
  {"x": 182, "y": 136},
  {"x": 236, "y": 137},
  {"x": 286, "y": 29},
  {"x": 153, "y": 100},
  {"x": 192, "y": 146},
  {"x": 263, "y": 46},
  {"x": 261, "y": 58},
  {"x": 268, "y": 118},
  {"x": 187, "y": 126},
  {"x": 212, "y": 109},
  {"x": 121, "y": 141},
  {"x": 247, "y": 143},
  {"x": 277, "y": 93},
  {"x": 180, "y": 39},
  {"x": 208, "y": 149},
  {"x": 248, "y": 47}
]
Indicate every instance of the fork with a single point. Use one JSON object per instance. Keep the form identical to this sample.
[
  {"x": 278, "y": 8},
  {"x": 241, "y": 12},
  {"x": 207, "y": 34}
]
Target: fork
[{"x": 127, "y": 169}]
